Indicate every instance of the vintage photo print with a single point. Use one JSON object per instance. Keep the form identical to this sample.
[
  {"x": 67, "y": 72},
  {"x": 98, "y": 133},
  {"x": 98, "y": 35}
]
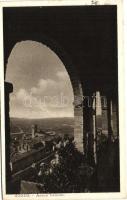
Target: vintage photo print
[{"x": 61, "y": 130}]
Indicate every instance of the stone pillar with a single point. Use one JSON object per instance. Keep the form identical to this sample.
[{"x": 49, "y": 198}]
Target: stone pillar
[
  {"x": 78, "y": 113},
  {"x": 109, "y": 117},
  {"x": 8, "y": 90},
  {"x": 88, "y": 127},
  {"x": 114, "y": 119},
  {"x": 78, "y": 121},
  {"x": 104, "y": 116},
  {"x": 78, "y": 128},
  {"x": 94, "y": 128}
]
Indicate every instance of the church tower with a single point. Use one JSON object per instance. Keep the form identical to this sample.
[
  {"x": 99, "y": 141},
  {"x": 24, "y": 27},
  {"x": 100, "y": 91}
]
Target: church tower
[{"x": 34, "y": 130}]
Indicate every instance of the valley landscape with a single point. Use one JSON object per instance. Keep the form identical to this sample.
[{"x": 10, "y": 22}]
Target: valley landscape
[{"x": 61, "y": 126}]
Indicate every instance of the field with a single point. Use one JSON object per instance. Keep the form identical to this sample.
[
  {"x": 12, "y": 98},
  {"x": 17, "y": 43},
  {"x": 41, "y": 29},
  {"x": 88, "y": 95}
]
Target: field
[{"x": 59, "y": 125}]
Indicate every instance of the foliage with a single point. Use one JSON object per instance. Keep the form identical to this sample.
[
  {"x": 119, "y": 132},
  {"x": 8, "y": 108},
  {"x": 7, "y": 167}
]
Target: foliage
[{"x": 68, "y": 172}]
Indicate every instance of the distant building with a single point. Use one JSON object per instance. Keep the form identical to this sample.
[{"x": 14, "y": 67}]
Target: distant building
[{"x": 34, "y": 130}]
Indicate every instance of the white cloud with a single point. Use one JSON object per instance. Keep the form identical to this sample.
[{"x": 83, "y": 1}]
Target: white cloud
[
  {"x": 48, "y": 98},
  {"x": 25, "y": 104},
  {"x": 21, "y": 94},
  {"x": 43, "y": 86},
  {"x": 45, "y": 113},
  {"x": 46, "y": 83},
  {"x": 62, "y": 75},
  {"x": 34, "y": 90}
]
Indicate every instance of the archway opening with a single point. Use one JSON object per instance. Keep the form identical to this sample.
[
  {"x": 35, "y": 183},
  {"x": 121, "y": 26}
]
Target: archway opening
[
  {"x": 45, "y": 102},
  {"x": 37, "y": 72},
  {"x": 42, "y": 90}
]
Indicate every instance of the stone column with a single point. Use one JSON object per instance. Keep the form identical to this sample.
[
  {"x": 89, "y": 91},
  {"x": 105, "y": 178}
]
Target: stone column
[
  {"x": 8, "y": 90},
  {"x": 114, "y": 119},
  {"x": 94, "y": 128},
  {"x": 104, "y": 116},
  {"x": 88, "y": 127},
  {"x": 78, "y": 120},
  {"x": 109, "y": 116}
]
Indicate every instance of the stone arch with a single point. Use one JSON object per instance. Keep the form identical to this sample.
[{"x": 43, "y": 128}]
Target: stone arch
[{"x": 74, "y": 78}]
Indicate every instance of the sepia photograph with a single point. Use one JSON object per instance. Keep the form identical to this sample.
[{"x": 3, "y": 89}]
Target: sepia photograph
[{"x": 61, "y": 99}]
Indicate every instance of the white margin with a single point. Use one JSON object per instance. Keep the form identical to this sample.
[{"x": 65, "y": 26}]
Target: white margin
[{"x": 123, "y": 193}]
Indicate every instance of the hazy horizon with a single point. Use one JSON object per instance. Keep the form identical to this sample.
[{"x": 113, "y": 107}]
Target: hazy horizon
[{"x": 40, "y": 118}]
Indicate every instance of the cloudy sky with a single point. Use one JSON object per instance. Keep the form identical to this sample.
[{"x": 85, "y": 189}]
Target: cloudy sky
[{"x": 42, "y": 87}]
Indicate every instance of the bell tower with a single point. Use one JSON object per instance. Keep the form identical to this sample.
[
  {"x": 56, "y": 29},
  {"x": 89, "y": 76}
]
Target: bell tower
[{"x": 34, "y": 130}]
